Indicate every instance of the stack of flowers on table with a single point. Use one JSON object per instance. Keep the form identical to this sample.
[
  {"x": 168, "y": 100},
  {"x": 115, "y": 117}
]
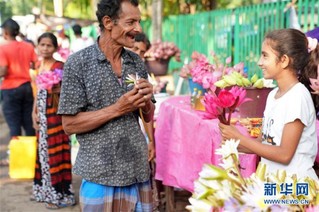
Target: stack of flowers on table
[
  {"x": 205, "y": 73},
  {"x": 213, "y": 76},
  {"x": 158, "y": 56},
  {"x": 224, "y": 189},
  {"x": 47, "y": 80},
  {"x": 163, "y": 50}
]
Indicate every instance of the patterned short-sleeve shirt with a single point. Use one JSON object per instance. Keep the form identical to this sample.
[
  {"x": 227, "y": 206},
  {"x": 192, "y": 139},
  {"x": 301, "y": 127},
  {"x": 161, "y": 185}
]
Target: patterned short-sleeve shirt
[{"x": 114, "y": 154}]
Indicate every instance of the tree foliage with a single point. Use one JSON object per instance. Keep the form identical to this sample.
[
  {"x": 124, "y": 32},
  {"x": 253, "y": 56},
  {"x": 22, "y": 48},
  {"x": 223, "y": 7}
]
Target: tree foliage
[
  {"x": 84, "y": 9},
  {"x": 5, "y": 10}
]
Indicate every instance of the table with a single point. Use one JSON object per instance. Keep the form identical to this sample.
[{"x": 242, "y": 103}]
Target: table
[{"x": 185, "y": 141}]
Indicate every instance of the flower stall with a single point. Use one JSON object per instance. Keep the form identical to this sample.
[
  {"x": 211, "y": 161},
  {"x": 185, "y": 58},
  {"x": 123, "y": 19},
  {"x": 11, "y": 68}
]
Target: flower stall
[{"x": 214, "y": 76}]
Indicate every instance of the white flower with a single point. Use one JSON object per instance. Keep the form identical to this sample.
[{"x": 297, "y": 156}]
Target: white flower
[
  {"x": 227, "y": 163},
  {"x": 212, "y": 172},
  {"x": 213, "y": 184},
  {"x": 225, "y": 192},
  {"x": 228, "y": 148},
  {"x": 201, "y": 191},
  {"x": 254, "y": 195},
  {"x": 199, "y": 205}
]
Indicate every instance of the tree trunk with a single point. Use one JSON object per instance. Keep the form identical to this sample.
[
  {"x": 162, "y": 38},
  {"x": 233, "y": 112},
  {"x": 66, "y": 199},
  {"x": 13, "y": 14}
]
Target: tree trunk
[{"x": 157, "y": 9}]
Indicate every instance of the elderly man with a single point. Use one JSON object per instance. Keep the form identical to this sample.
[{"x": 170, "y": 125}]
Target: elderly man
[{"x": 99, "y": 106}]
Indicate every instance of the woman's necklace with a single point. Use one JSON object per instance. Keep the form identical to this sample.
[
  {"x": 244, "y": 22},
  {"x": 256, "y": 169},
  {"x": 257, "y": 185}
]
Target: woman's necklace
[{"x": 281, "y": 93}]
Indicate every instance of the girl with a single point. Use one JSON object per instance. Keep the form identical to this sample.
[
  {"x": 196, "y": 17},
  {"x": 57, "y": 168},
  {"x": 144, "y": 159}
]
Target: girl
[
  {"x": 289, "y": 140},
  {"x": 53, "y": 178}
]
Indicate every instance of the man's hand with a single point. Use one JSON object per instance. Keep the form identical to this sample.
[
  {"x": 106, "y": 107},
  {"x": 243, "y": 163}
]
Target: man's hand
[
  {"x": 145, "y": 88},
  {"x": 138, "y": 97}
]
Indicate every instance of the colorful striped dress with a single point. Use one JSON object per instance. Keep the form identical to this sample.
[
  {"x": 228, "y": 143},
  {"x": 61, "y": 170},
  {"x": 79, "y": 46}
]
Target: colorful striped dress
[{"x": 53, "y": 177}]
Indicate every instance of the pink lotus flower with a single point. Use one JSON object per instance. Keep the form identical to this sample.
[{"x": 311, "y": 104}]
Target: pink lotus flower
[
  {"x": 47, "y": 79},
  {"x": 315, "y": 83},
  {"x": 225, "y": 103}
]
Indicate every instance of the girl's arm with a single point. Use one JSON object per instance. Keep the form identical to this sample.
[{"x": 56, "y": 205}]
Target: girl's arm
[{"x": 281, "y": 154}]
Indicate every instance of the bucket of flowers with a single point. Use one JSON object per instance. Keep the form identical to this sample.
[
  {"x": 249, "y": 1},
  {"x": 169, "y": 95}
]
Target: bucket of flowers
[{"x": 158, "y": 56}]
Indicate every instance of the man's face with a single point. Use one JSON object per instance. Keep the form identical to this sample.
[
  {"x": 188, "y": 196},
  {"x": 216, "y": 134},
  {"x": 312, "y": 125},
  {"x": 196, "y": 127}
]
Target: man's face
[
  {"x": 127, "y": 25},
  {"x": 139, "y": 48}
]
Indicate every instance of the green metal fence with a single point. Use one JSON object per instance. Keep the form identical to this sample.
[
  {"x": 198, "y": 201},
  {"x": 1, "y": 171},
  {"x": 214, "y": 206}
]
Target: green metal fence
[{"x": 236, "y": 32}]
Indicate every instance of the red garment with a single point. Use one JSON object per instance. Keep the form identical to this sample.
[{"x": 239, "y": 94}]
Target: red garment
[
  {"x": 17, "y": 57},
  {"x": 53, "y": 177}
]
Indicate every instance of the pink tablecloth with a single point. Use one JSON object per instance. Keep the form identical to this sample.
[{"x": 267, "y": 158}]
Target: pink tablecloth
[{"x": 184, "y": 142}]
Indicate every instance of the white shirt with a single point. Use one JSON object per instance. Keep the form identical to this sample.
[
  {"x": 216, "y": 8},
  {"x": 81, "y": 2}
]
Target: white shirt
[
  {"x": 295, "y": 104},
  {"x": 81, "y": 43}
]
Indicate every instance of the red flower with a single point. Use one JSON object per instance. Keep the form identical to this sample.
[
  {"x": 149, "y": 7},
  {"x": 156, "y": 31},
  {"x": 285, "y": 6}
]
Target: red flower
[{"x": 224, "y": 104}]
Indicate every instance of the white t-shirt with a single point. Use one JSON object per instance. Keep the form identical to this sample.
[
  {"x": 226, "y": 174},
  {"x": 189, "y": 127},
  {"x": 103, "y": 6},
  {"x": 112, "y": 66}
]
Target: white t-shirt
[
  {"x": 81, "y": 43},
  {"x": 295, "y": 104}
]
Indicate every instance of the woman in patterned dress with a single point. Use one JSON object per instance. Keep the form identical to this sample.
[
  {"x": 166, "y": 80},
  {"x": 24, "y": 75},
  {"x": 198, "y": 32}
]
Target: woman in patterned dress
[{"x": 53, "y": 178}]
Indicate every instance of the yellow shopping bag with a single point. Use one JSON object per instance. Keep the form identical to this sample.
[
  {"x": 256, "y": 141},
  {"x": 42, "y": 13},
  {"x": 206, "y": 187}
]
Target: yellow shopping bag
[{"x": 22, "y": 157}]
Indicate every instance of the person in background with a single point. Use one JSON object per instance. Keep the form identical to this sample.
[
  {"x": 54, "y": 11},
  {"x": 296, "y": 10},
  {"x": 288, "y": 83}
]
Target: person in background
[
  {"x": 79, "y": 42},
  {"x": 141, "y": 45},
  {"x": 16, "y": 58},
  {"x": 22, "y": 37},
  {"x": 63, "y": 51},
  {"x": 289, "y": 139},
  {"x": 102, "y": 109},
  {"x": 53, "y": 177}
]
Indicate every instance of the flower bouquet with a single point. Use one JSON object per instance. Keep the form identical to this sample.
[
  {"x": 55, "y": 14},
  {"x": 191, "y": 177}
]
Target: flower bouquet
[
  {"x": 48, "y": 80},
  {"x": 224, "y": 189},
  {"x": 223, "y": 104}
]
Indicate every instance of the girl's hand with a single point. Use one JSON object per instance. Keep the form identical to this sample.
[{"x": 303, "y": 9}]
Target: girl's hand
[{"x": 229, "y": 132}]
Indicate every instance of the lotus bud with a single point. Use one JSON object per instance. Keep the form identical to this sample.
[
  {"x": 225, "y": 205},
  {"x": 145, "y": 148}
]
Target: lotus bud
[
  {"x": 259, "y": 83},
  {"x": 261, "y": 171},
  {"x": 281, "y": 174},
  {"x": 246, "y": 82},
  {"x": 229, "y": 80},
  {"x": 254, "y": 78},
  {"x": 221, "y": 84}
]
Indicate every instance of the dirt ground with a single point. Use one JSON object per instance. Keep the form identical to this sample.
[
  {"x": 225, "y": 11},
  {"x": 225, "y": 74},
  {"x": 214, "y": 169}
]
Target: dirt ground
[{"x": 14, "y": 194}]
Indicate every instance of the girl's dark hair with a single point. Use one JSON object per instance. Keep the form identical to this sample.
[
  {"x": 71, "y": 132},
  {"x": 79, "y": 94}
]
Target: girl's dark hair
[
  {"x": 51, "y": 36},
  {"x": 294, "y": 44},
  {"x": 110, "y": 8}
]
